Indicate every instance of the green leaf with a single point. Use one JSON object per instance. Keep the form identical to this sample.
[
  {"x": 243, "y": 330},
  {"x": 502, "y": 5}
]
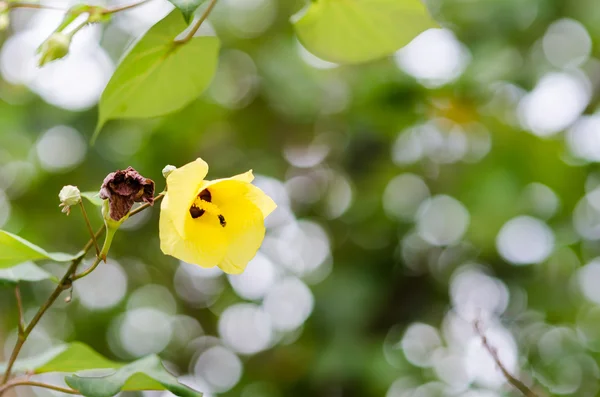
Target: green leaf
[
  {"x": 93, "y": 197},
  {"x": 187, "y": 7},
  {"x": 145, "y": 374},
  {"x": 354, "y": 31},
  {"x": 15, "y": 250},
  {"x": 159, "y": 76},
  {"x": 27, "y": 271},
  {"x": 71, "y": 357}
]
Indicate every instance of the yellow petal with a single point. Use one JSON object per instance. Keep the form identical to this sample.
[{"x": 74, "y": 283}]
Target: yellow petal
[
  {"x": 245, "y": 231},
  {"x": 225, "y": 190},
  {"x": 184, "y": 184},
  {"x": 264, "y": 203},
  {"x": 247, "y": 177},
  {"x": 204, "y": 243}
]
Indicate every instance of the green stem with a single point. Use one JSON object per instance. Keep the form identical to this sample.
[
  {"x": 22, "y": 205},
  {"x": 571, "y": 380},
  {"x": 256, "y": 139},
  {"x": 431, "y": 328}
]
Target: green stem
[
  {"x": 20, "y": 309},
  {"x": 34, "y": 6},
  {"x": 123, "y": 8},
  {"x": 89, "y": 227},
  {"x": 146, "y": 205},
  {"x": 37, "y": 384},
  {"x": 65, "y": 283},
  {"x": 91, "y": 268},
  {"x": 197, "y": 25}
]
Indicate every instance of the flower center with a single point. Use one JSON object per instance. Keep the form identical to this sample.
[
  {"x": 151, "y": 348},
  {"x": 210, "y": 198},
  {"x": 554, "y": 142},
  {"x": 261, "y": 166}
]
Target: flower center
[{"x": 203, "y": 204}]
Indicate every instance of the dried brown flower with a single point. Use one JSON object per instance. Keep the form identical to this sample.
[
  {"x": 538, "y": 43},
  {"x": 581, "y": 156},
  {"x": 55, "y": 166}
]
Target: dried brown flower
[{"x": 123, "y": 188}]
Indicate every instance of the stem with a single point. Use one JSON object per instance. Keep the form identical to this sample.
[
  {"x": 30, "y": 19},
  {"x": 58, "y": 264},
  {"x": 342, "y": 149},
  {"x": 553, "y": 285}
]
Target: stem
[
  {"x": 195, "y": 28},
  {"x": 65, "y": 283},
  {"x": 34, "y": 6},
  {"x": 123, "y": 8},
  {"x": 516, "y": 383},
  {"x": 146, "y": 205},
  {"x": 89, "y": 269},
  {"x": 89, "y": 227},
  {"x": 20, "y": 309},
  {"x": 37, "y": 384}
]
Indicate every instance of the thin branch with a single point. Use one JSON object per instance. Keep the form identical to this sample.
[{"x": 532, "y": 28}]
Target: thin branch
[
  {"x": 88, "y": 270},
  {"x": 10, "y": 385},
  {"x": 89, "y": 227},
  {"x": 123, "y": 8},
  {"x": 146, "y": 205},
  {"x": 34, "y": 6},
  {"x": 65, "y": 283},
  {"x": 516, "y": 383},
  {"x": 20, "y": 309},
  {"x": 195, "y": 28}
]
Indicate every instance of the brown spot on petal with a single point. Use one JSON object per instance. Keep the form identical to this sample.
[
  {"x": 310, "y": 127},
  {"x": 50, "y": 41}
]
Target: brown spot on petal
[
  {"x": 205, "y": 195},
  {"x": 196, "y": 212},
  {"x": 123, "y": 188}
]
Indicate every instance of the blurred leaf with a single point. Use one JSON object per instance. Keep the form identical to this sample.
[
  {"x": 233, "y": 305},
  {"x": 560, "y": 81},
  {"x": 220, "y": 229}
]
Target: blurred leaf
[
  {"x": 187, "y": 7},
  {"x": 145, "y": 374},
  {"x": 93, "y": 197},
  {"x": 73, "y": 357},
  {"x": 27, "y": 271},
  {"x": 15, "y": 250},
  {"x": 360, "y": 30},
  {"x": 159, "y": 76}
]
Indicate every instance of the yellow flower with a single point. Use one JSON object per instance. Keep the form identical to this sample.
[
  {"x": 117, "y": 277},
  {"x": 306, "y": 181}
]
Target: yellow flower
[{"x": 212, "y": 223}]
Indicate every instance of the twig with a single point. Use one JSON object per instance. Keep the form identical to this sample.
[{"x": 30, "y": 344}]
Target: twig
[
  {"x": 125, "y": 7},
  {"x": 34, "y": 6},
  {"x": 88, "y": 270},
  {"x": 20, "y": 309},
  {"x": 10, "y": 385},
  {"x": 195, "y": 28},
  {"x": 65, "y": 283},
  {"x": 89, "y": 227},
  {"x": 516, "y": 383},
  {"x": 146, "y": 205}
]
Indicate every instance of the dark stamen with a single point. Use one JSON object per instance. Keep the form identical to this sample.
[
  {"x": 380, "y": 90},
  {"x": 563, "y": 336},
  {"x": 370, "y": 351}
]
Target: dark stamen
[
  {"x": 205, "y": 195},
  {"x": 196, "y": 212},
  {"x": 222, "y": 220}
]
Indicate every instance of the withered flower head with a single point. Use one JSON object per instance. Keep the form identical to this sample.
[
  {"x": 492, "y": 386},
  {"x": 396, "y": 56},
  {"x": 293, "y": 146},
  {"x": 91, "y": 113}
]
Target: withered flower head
[{"x": 123, "y": 188}]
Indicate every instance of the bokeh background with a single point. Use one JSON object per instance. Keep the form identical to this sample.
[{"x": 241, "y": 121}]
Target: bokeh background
[{"x": 454, "y": 181}]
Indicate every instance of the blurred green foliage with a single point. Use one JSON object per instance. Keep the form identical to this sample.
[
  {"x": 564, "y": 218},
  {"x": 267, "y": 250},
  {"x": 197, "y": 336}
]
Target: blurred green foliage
[{"x": 266, "y": 101}]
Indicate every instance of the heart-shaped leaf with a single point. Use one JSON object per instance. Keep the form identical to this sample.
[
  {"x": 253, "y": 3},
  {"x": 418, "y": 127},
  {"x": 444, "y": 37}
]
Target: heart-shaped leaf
[
  {"x": 354, "y": 31},
  {"x": 158, "y": 75},
  {"x": 27, "y": 271},
  {"x": 145, "y": 374},
  {"x": 187, "y": 7},
  {"x": 15, "y": 250}
]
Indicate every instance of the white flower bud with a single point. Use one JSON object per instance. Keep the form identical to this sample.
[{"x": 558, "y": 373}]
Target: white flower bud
[
  {"x": 167, "y": 170},
  {"x": 69, "y": 195}
]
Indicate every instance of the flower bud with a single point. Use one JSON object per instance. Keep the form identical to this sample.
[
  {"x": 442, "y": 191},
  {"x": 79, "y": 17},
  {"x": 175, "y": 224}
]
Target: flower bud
[
  {"x": 69, "y": 195},
  {"x": 167, "y": 170},
  {"x": 55, "y": 47}
]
